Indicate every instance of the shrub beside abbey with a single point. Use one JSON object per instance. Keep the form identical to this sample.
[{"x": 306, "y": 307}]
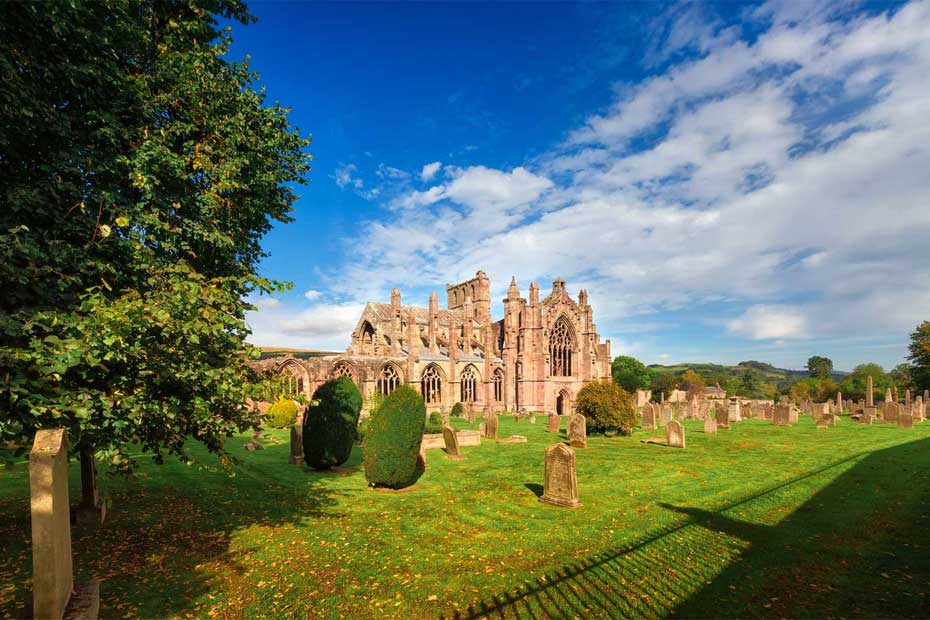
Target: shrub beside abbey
[
  {"x": 434, "y": 424},
  {"x": 330, "y": 427},
  {"x": 282, "y": 414},
  {"x": 392, "y": 441},
  {"x": 606, "y": 408}
]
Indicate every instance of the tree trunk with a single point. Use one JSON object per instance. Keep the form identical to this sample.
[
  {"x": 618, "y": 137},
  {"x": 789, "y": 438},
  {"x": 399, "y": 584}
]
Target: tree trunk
[{"x": 90, "y": 496}]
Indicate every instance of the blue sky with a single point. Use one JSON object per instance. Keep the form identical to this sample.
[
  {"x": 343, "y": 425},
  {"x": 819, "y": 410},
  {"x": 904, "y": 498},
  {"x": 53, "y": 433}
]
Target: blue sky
[{"x": 728, "y": 181}]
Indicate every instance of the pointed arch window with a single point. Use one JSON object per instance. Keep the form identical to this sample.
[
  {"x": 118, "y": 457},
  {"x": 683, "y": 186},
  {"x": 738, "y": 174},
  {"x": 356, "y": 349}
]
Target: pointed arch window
[
  {"x": 469, "y": 385},
  {"x": 341, "y": 369},
  {"x": 431, "y": 386},
  {"x": 388, "y": 380},
  {"x": 498, "y": 385},
  {"x": 561, "y": 348}
]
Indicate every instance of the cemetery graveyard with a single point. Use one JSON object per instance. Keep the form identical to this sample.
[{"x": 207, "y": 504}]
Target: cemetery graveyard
[{"x": 758, "y": 520}]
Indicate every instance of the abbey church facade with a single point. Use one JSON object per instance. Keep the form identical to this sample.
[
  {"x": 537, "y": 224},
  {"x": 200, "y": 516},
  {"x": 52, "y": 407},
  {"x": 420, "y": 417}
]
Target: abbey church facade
[{"x": 534, "y": 359}]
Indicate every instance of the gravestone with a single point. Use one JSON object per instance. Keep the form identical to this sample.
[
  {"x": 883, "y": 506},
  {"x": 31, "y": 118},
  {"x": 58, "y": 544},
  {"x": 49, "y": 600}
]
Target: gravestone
[
  {"x": 907, "y": 397},
  {"x": 926, "y": 397},
  {"x": 866, "y": 418},
  {"x": 665, "y": 414},
  {"x": 889, "y": 397},
  {"x": 792, "y": 415},
  {"x": 649, "y": 417},
  {"x": 512, "y": 439},
  {"x": 675, "y": 434},
  {"x": 829, "y": 419},
  {"x": 490, "y": 427},
  {"x": 532, "y": 419},
  {"x": 721, "y": 416},
  {"x": 905, "y": 420},
  {"x": 560, "y": 486},
  {"x": 839, "y": 402},
  {"x": 452, "y": 442},
  {"x": 869, "y": 392},
  {"x": 782, "y": 415},
  {"x": 297, "y": 444},
  {"x": 53, "y": 591},
  {"x": 734, "y": 413},
  {"x": 554, "y": 423},
  {"x": 890, "y": 411},
  {"x": 578, "y": 431},
  {"x": 710, "y": 425}
]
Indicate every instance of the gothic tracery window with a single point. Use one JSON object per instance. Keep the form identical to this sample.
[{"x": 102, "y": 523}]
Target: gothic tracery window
[
  {"x": 431, "y": 386},
  {"x": 469, "y": 385},
  {"x": 561, "y": 346},
  {"x": 341, "y": 369},
  {"x": 498, "y": 385},
  {"x": 388, "y": 380},
  {"x": 291, "y": 383}
]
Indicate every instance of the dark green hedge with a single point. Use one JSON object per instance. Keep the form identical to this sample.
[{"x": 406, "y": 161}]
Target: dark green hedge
[
  {"x": 330, "y": 426},
  {"x": 458, "y": 410},
  {"x": 434, "y": 424},
  {"x": 393, "y": 439}
]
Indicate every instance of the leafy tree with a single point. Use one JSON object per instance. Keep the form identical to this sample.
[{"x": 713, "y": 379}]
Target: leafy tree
[
  {"x": 630, "y": 373},
  {"x": 282, "y": 414},
  {"x": 920, "y": 356},
  {"x": 816, "y": 390},
  {"x": 606, "y": 407},
  {"x": 330, "y": 426},
  {"x": 748, "y": 382},
  {"x": 854, "y": 384},
  {"x": 901, "y": 376},
  {"x": 139, "y": 171},
  {"x": 663, "y": 383},
  {"x": 820, "y": 367},
  {"x": 692, "y": 383}
]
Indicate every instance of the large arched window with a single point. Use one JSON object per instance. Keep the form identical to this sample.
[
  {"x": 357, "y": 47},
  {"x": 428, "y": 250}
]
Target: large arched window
[
  {"x": 469, "y": 385},
  {"x": 368, "y": 338},
  {"x": 291, "y": 380},
  {"x": 561, "y": 346},
  {"x": 341, "y": 369},
  {"x": 431, "y": 386},
  {"x": 388, "y": 380},
  {"x": 498, "y": 385}
]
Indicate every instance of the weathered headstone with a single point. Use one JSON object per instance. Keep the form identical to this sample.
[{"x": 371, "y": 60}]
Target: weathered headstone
[
  {"x": 675, "y": 434},
  {"x": 907, "y": 397},
  {"x": 490, "y": 427},
  {"x": 710, "y": 425},
  {"x": 649, "y": 417},
  {"x": 734, "y": 412},
  {"x": 560, "y": 486},
  {"x": 665, "y": 414},
  {"x": 890, "y": 411},
  {"x": 866, "y": 418},
  {"x": 829, "y": 419},
  {"x": 905, "y": 420},
  {"x": 452, "y": 442},
  {"x": 782, "y": 415},
  {"x": 722, "y": 416},
  {"x": 554, "y": 423},
  {"x": 869, "y": 392},
  {"x": 889, "y": 397},
  {"x": 512, "y": 439},
  {"x": 532, "y": 419},
  {"x": 839, "y": 402},
  {"x": 578, "y": 431},
  {"x": 297, "y": 445},
  {"x": 53, "y": 589}
]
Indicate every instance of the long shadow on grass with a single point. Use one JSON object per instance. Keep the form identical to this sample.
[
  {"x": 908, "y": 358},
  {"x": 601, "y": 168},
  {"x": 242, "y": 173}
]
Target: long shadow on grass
[
  {"x": 168, "y": 539},
  {"x": 857, "y": 548}
]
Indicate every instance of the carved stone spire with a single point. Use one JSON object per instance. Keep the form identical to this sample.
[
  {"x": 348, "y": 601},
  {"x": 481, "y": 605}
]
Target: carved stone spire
[
  {"x": 413, "y": 335},
  {"x": 513, "y": 291}
]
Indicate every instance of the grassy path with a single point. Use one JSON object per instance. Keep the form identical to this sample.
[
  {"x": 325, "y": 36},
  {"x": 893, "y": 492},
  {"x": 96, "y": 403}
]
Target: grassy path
[{"x": 758, "y": 521}]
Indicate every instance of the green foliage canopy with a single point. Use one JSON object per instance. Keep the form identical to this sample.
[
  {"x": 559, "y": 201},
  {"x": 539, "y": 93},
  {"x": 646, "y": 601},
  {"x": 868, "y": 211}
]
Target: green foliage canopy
[
  {"x": 606, "y": 407},
  {"x": 282, "y": 414},
  {"x": 820, "y": 367},
  {"x": 630, "y": 374},
  {"x": 139, "y": 169},
  {"x": 919, "y": 348}
]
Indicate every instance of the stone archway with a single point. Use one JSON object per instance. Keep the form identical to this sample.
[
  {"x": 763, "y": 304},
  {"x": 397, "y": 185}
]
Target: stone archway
[{"x": 563, "y": 402}]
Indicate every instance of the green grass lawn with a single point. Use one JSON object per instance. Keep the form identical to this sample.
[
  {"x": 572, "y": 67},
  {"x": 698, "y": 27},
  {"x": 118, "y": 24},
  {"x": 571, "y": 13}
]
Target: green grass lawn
[{"x": 757, "y": 521}]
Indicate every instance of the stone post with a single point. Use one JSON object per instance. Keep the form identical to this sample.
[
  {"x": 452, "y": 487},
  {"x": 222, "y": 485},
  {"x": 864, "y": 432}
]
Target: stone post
[
  {"x": 52, "y": 577},
  {"x": 839, "y": 403},
  {"x": 869, "y": 402},
  {"x": 907, "y": 397}
]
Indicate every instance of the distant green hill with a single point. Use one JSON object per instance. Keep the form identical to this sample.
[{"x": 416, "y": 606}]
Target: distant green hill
[
  {"x": 303, "y": 354},
  {"x": 767, "y": 372}
]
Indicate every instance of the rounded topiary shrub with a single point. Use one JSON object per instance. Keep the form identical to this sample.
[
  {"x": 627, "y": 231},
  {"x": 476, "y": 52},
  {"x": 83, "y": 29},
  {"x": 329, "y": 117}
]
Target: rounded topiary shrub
[
  {"x": 606, "y": 407},
  {"x": 282, "y": 414},
  {"x": 458, "y": 410},
  {"x": 434, "y": 424},
  {"x": 392, "y": 442},
  {"x": 330, "y": 426}
]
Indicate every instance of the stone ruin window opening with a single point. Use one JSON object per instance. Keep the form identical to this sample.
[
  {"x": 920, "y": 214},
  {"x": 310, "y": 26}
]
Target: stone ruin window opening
[
  {"x": 290, "y": 383},
  {"x": 469, "y": 385},
  {"x": 341, "y": 369},
  {"x": 431, "y": 386},
  {"x": 498, "y": 385},
  {"x": 368, "y": 338},
  {"x": 561, "y": 346},
  {"x": 388, "y": 380}
]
